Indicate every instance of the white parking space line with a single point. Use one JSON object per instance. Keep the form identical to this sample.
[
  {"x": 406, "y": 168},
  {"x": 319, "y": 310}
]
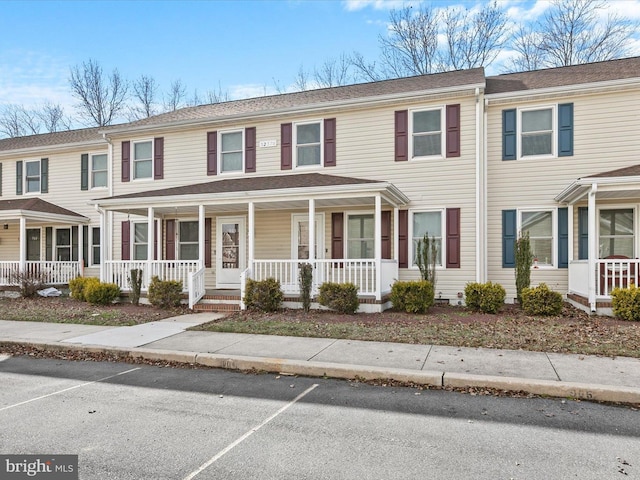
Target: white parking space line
[
  {"x": 67, "y": 389},
  {"x": 230, "y": 447},
  {"x": 4, "y": 357}
]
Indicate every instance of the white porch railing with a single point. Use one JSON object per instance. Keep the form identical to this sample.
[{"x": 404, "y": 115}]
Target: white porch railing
[
  {"x": 51, "y": 272},
  {"x": 196, "y": 287},
  {"x": 609, "y": 274},
  {"x": 118, "y": 271},
  {"x": 360, "y": 272}
]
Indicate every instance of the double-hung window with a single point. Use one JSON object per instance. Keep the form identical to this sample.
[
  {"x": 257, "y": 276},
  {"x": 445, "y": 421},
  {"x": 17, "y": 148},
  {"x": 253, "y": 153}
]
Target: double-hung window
[
  {"x": 308, "y": 142},
  {"x": 140, "y": 241},
  {"x": 536, "y": 136},
  {"x": 426, "y": 133},
  {"x": 231, "y": 151},
  {"x": 539, "y": 226},
  {"x": 32, "y": 177},
  {"x": 616, "y": 232},
  {"x": 188, "y": 240},
  {"x": 95, "y": 246},
  {"x": 360, "y": 236},
  {"x": 63, "y": 244},
  {"x": 99, "y": 174},
  {"x": 143, "y": 159},
  {"x": 429, "y": 224}
]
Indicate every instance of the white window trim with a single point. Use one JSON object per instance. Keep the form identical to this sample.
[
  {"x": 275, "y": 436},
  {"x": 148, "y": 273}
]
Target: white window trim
[
  {"x": 91, "y": 155},
  {"x": 220, "y": 152},
  {"x": 296, "y": 217},
  {"x": 294, "y": 141},
  {"x": 133, "y": 160},
  {"x": 132, "y": 240},
  {"x": 554, "y": 132},
  {"x": 93, "y": 242},
  {"x": 443, "y": 242},
  {"x": 554, "y": 233},
  {"x": 178, "y": 242},
  {"x": 345, "y": 229},
  {"x": 619, "y": 206},
  {"x": 55, "y": 246},
  {"x": 442, "y": 132},
  {"x": 24, "y": 176}
]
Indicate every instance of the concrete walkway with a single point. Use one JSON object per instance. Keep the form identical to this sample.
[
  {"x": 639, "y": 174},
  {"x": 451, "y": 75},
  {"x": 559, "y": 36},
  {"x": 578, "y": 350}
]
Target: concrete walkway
[{"x": 576, "y": 376}]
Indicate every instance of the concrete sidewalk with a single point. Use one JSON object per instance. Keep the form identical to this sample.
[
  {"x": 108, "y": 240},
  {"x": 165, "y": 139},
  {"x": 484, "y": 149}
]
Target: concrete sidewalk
[{"x": 576, "y": 376}]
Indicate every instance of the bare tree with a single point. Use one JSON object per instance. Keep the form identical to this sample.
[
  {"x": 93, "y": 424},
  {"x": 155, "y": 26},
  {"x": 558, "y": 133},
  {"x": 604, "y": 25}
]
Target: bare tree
[
  {"x": 53, "y": 118},
  {"x": 333, "y": 72},
  {"x": 528, "y": 56},
  {"x": 364, "y": 70},
  {"x": 301, "y": 81},
  {"x": 145, "y": 90},
  {"x": 11, "y": 124},
  {"x": 101, "y": 98},
  {"x": 175, "y": 97},
  {"x": 572, "y": 33}
]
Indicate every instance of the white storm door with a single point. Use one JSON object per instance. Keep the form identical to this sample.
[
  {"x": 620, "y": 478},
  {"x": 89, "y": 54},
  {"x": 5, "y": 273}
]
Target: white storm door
[
  {"x": 300, "y": 241},
  {"x": 230, "y": 251}
]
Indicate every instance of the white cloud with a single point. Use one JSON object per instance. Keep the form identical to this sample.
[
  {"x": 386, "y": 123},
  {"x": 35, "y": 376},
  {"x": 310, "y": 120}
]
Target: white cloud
[
  {"x": 355, "y": 5},
  {"x": 250, "y": 90}
]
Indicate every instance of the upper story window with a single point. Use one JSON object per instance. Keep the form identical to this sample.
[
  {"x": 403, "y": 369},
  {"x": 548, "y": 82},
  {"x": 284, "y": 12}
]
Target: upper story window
[
  {"x": 32, "y": 177},
  {"x": 231, "y": 151},
  {"x": 99, "y": 175},
  {"x": 430, "y": 224},
  {"x": 539, "y": 226},
  {"x": 426, "y": 133},
  {"x": 308, "y": 144},
  {"x": 143, "y": 159},
  {"x": 536, "y": 136}
]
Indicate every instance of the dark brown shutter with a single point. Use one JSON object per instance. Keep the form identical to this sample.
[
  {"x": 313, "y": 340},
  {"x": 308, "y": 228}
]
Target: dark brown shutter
[
  {"x": 84, "y": 171},
  {"x": 453, "y": 130},
  {"x": 330, "y": 142},
  {"x": 337, "y": 235},
  {"x": 126, "y": 161},
  {"x": 170, "y": 240},
  {"x": 207, "y": 242},
  {"x": 386, "y": 234},
  {"x": 286, "y": 148},
  {"x": 402, "y": 136},
  {"x": 212, "y": 153},
  {"x": 126, "y": 241},
  {"x": 158, "y": 158},
  {"x": 453, "y": 238},
  {"x": 403, "y": 239},
  {"x": 250, "y": 150}
]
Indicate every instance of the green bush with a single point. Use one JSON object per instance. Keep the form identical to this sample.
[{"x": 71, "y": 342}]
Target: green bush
[
  {"x": 263, "y": 295},
  {"x": 164, "y": 293},
  {"x": 412, "y": 297},
  {"x": 484, "y": 297},
  {"x": 78, "y": 285},
  {"x": 541, "y": 300},
  {"x": 341, "y": 297},
  {"x": 626, "y": 303},
  {"x": 101, "y": 293}
]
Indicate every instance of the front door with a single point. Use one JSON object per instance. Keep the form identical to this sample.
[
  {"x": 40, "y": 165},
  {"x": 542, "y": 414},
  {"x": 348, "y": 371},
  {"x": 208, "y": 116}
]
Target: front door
[
  {"x": 33, "y": 244},
  {"x": 300, "y": 243},
  {"x": 230, "y": 251}
]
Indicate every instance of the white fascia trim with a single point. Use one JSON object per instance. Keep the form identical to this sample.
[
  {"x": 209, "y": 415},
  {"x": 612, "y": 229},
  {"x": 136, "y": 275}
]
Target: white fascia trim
[
  {"x": 51, "y": 148},
  {"x": 581, "y": 187},
  {"x": 579, "y": 87},
  {"x": 41, "y": 216},
  {"x": 310, "y": 108},
  {"x": 394, "y": 196}
]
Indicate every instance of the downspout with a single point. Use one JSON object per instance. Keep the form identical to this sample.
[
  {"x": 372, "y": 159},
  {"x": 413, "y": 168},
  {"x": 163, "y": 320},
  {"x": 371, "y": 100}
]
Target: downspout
[
  {"x": 480, "y": 159},
  {"x": 110, "y": 181},
  {"x": 109, "y": 162},
  {"x": 593, "y": 253}
]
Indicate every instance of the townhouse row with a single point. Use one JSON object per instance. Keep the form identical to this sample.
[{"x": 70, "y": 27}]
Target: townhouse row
[{"x": 347, "y": 178}]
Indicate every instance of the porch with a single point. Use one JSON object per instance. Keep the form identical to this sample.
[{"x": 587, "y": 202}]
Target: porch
[{"x": 49, "y": 272}]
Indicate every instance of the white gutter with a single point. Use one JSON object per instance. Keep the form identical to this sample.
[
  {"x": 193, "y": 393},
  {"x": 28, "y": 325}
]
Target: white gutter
[
  {"x": 49, "y": 148},
  {"x": 308, "y": 108}
]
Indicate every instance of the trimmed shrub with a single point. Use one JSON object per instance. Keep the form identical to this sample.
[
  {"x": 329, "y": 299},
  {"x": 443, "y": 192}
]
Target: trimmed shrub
[
  {"x": 484, "y": 297},
  {"x": 306, "y": 279},
  {"x": 541, "y": 300},
  {"x": 341, "y": 297},
  {"x": 164, "y": 293},
  {"x": 78, "y": 285},
  {"x": 101, "y": 293},
  {"x": 626, "y": 303},
  {"x": 413, "y": 297},
  {"x": 524, "y": 259},
  {"x": 264, "y": 295}
]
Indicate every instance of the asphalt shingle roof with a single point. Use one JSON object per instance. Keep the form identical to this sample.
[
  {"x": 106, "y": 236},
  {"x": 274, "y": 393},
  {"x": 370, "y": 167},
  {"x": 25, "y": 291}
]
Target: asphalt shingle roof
[
  {"x": 51, "y": 139},
  {"x": 36, "y": 205}
]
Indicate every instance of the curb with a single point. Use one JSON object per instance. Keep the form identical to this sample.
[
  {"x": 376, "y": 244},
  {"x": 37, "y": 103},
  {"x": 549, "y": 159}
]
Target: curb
[{"x": 574, "y": 390}]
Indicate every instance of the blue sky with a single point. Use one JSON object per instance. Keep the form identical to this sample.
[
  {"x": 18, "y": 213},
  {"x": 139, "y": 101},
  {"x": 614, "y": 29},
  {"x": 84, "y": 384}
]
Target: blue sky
[{"x": 242, "y": 47}]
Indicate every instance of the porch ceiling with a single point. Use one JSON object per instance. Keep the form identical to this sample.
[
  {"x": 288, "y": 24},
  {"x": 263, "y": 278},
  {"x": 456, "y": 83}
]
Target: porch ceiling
[{"x": 284, "y": 192}]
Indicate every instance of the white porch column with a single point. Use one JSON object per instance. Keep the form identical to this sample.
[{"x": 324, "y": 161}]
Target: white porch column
[
  {"x": 312, "y": 231},
  {"x": 377, "y": 242},
  {"x": 81, "y": 259},
  {"x": 103, "y": 247},
  {"x": 570, "y": 231},
  {"x": 150, "y": 244},
  {"x": 396, "y": 233},
  {"x": 23, "y": 244},
  {"x": 593, "y": 246},
  {"x": 252, "y": 233},
  {"x": 201, "y": 235}
]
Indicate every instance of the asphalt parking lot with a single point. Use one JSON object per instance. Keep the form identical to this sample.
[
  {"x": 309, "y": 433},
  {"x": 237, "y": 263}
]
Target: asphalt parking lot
[{"x": 130, "y": 421}]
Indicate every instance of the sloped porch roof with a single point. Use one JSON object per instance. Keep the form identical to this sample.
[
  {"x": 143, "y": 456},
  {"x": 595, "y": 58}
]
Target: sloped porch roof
[
  {"x": 37, "y": 209},
  {"x": 619, "y": 183},
  {"x": 266, "y": 192}
]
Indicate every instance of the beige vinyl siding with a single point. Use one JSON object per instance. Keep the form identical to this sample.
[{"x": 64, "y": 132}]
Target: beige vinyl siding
[{"x": 605, "y": 138}]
